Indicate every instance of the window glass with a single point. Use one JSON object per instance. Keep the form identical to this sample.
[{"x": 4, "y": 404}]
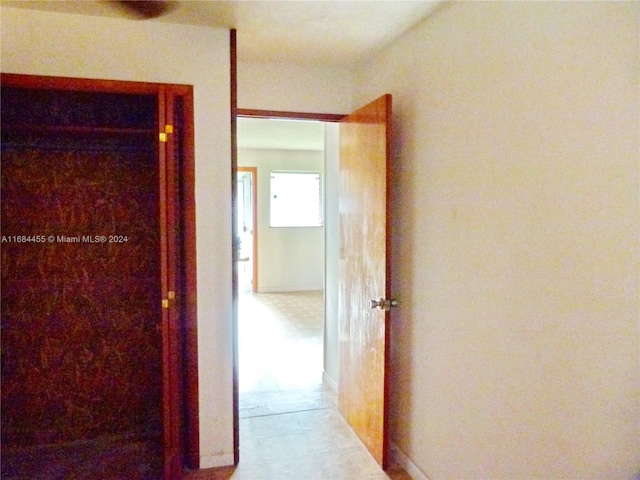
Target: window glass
[{"x": 296, "y": 199}]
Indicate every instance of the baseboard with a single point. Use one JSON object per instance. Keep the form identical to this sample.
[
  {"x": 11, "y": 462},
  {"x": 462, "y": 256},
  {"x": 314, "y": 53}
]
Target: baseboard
[
  {"x": 213, "y": 461},
  {"x": 294, "y": 288},
  {"x": 398, "y": 457},
  {"x": 328, "y": 380}
]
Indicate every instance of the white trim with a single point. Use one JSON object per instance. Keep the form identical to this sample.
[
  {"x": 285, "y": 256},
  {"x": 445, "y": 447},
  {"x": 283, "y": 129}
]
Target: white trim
[
  {"x": 329, "y": 381},
  {"x": 293, "y": 288},
  {"x": 398, "y": 457},
  {"x": 214, "y": 461}
]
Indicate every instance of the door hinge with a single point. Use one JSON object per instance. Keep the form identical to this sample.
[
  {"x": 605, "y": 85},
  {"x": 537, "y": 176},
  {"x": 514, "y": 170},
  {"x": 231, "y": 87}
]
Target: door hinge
[
  {"x": 171, "y": 295},
  {"x": 165, "y": 303},
  {"x": 165, "y": 135}
]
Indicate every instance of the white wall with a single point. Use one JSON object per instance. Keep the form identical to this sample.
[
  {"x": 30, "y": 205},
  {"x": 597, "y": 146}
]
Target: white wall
[
  {"x": 515, "y": 349},
  {"x": 332, "y": 252},
  {"x": 289, "y": 259},
  {"x": 91, "y": 47},
  {"x": 294, "y": 88}
]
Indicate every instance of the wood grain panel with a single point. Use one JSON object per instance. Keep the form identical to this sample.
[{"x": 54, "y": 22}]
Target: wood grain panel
[
  {"x": 188, "y": 299},
  {"x": 364, "y": 146},
  {"x": 80, "y": 350}
]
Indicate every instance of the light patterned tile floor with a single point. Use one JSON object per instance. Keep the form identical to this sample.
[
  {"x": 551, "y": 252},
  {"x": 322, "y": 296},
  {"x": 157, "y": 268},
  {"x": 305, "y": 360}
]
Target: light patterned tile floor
[
  {"x": 280, "y": 353},
  {"x": 290, "y": 427}
]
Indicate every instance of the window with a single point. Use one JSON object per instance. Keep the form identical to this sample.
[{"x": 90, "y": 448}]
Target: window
[{"x": 296, "y": 199}]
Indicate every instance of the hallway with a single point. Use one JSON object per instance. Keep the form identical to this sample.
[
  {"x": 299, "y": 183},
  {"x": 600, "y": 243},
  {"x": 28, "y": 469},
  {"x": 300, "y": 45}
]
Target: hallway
[
  {"x": 280, "y": 339},
  {"x": 290, "y": 427}
]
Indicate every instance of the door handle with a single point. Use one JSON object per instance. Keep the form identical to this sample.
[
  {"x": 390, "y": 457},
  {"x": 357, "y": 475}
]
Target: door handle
[{"x": 382, "y": 304}]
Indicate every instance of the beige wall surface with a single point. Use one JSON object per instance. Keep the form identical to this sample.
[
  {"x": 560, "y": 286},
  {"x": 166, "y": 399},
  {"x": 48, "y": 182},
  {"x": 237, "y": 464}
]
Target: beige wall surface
[
  {"x": 515, "y": 349},
  {"x": 289, "y": 259},
  {"x": 294, "y": 88},
  {"x": 332, "y": 252},
  {"x": 92, "y": 47}
]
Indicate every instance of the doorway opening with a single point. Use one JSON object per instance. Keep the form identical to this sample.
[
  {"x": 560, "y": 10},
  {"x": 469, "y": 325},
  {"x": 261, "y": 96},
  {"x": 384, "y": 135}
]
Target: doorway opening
[
  {"x": 283, "y": 396},
  {"x": 246, "y": 228},
  {"x": 280, "y": 266},
  {"x": 289, "y": 423}
]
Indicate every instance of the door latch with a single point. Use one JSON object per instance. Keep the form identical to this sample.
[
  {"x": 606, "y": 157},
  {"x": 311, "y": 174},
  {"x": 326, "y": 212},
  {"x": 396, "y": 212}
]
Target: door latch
[{"x": 382, "y": 304}]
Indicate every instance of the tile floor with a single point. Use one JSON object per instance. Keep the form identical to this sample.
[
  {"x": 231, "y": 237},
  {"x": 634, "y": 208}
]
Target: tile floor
[
  {"x": 290, "y": 427},
  {"x": 280, "y": 339}
]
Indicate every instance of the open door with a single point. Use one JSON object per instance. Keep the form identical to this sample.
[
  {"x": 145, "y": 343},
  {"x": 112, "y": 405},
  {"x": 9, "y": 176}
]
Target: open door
[{"x": 364, "y": 284}]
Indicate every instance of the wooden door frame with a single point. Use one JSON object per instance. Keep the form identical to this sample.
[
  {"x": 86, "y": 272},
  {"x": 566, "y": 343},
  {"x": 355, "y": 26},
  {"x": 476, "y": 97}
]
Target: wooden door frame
[
  {"x": 254, "y": 223},
  {"x": 181, "y": 353}
]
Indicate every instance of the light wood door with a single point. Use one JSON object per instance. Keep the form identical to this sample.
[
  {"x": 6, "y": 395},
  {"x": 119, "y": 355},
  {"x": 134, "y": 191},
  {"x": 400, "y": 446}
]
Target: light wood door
[{"x": 364, "y": 266}]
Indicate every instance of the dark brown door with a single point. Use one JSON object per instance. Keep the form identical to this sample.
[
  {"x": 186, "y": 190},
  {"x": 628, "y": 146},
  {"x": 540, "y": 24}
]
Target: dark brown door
[
  {"x": 177, "y": 252},
  {"x": 91, "y": 277},
  {"x": 363, "y": 332}
]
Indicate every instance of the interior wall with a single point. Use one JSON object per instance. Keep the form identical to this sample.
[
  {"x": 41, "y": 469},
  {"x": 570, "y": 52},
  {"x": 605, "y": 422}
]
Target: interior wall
[
  {"x": 56, "y": 44},
  {"x": 289, "y": 259},
  {"x": 293, "y": 88},
  {"x": 332, "y": 251},
  {"x": 515, "y": 239}
]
